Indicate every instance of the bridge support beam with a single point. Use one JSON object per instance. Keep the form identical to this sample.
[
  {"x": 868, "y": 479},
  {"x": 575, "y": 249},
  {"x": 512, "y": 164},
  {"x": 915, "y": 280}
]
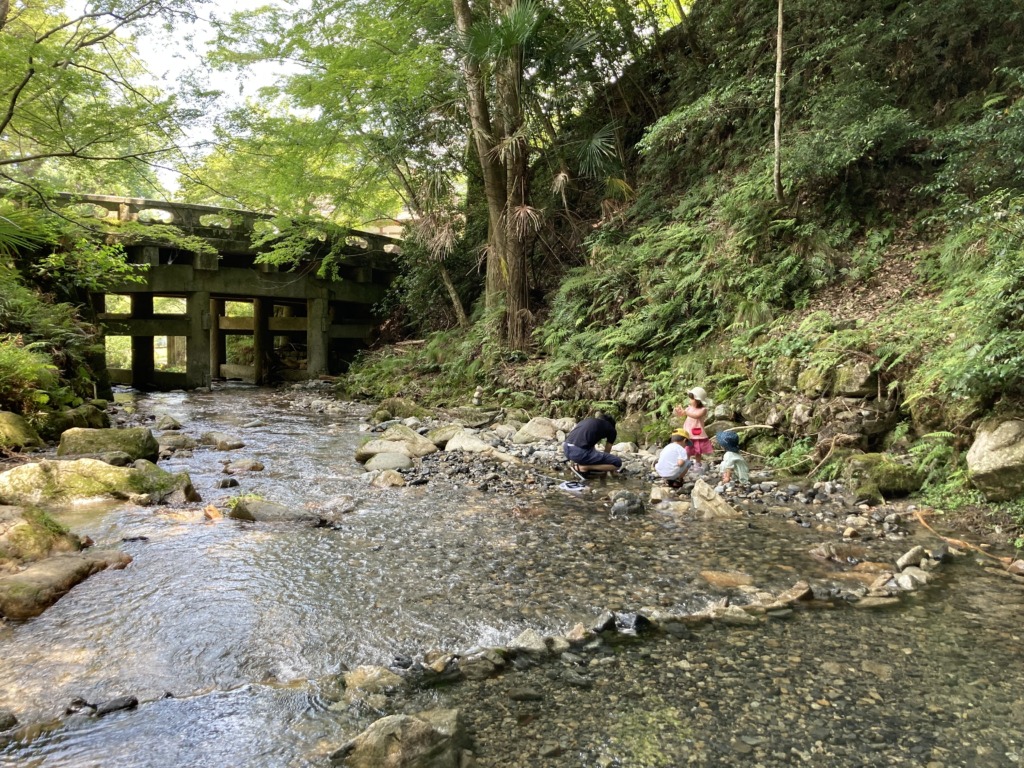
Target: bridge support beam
[
  {"x": 261, "y": 340},
  {"x": 218, "y": 339},
  {"x": 317, "y": 338},
  {"x": 197, "y": 346},
  {"x": 143, "y": 362}
]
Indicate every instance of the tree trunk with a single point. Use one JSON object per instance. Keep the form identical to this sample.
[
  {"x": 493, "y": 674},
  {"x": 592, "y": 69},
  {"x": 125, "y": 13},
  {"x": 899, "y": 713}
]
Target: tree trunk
[
  {"x": 453, "y": 294},
  {"x": 779, "y": 196},
  {"x": 502, "y": 152}
]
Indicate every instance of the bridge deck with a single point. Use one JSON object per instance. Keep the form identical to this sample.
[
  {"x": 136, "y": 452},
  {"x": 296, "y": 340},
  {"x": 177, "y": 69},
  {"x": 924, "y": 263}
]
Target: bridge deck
[{"x": 321, "y": 322}]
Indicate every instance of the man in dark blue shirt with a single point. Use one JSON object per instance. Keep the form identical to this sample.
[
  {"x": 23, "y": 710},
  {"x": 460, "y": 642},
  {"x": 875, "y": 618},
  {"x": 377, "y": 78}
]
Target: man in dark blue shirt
[{"x": 580, "y": 445}]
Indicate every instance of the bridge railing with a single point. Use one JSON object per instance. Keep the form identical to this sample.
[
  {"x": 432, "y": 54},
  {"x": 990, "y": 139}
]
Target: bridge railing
[{"x": 208, "y": 220}]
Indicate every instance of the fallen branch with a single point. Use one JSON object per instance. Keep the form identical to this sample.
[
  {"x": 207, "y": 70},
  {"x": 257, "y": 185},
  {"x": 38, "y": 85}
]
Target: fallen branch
[{"x": 1004, "y": 561}]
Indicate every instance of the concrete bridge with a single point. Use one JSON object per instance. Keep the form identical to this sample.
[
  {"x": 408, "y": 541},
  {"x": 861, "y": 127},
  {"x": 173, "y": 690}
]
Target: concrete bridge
[{"x": 301, "y": 326}]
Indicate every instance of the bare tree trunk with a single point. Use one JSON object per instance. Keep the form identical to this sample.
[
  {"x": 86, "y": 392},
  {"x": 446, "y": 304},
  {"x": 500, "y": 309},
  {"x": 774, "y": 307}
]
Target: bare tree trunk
[
  {"x": 5, "y": 7},
  {"x": 453, "y": 294},
  {"x": 779, "y": 196}
]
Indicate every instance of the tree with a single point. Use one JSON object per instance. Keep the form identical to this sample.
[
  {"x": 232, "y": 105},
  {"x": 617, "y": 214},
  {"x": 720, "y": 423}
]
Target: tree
[
  {"x": 777, "y": 172},
  {"x": 427, "y": 99},
  {"x": 72, "y": 103},
  {"x": 494, "y": 53}
]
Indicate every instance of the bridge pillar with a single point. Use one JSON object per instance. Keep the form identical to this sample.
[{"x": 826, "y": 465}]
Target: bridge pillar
[
  {"x": 317, "y": 338},
  {"x": 218, "y": 339},
  {"x": 197, "y": 344},
  {"x": 143, "y": 363},
  {"x": 261, "y": 340}
]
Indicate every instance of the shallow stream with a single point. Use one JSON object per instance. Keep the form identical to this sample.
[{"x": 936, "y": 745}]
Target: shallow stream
[{"x": 230, "y": 633}]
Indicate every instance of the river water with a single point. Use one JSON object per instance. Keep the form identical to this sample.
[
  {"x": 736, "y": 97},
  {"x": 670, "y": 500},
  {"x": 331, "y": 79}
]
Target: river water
[{"x": 232, "y": 634}]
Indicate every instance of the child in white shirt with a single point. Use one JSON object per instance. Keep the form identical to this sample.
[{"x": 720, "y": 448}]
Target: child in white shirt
[{"x": 674, "y": 459}]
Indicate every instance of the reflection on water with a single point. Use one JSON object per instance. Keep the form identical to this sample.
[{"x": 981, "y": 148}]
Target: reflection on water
[{"x": 238, "y": 621}]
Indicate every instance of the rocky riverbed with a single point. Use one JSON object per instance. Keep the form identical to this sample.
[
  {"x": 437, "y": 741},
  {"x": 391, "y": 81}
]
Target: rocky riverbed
[{"x": 250, "y": 627}]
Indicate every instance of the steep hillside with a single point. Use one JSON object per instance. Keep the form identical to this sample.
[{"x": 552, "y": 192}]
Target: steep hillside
[{"x": 881, "y": 299}]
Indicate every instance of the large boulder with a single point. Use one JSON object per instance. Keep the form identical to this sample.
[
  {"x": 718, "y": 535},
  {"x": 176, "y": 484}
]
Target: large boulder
[
  {"x": 397, "y": 438},
  {"x": 16, "y": 433},
  {"x": 400, "y": 408},
  {"x": 87, "y": 416},
  {"x": 468, "y": 442},
  {"x": 855, "y": 380},
  {"x": 48, "y": 482},
  {"x": 890, "y": 477},
  {"x": 535, "y": 430},
  {"x": 441, "y": 435},
  {"x": 432, "y": 739},
  {"x": 390, "y": 460},
  {"x": 28, "y": 593},
  {"x": 995, "y": 460},
  {"x": 137, "y": 442},
  {"x": 27, "y": 535}
]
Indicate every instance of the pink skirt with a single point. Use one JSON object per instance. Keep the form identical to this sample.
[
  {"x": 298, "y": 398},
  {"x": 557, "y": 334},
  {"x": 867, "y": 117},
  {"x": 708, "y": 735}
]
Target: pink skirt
[{"x": 702, "y": 447}]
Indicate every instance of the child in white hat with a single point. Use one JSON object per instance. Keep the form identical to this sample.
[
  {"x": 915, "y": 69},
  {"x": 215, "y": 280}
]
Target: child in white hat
[{"x": 696, "y": 412}]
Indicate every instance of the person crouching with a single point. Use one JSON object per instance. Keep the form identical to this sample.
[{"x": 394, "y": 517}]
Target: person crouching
[
  {"x": 581, "y": 445},
  {"x": 674, "y": 459}
]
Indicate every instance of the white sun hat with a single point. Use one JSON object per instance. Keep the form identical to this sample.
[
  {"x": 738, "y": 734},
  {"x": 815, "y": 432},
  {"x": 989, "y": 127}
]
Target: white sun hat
[{"x": 698, "y": 393}]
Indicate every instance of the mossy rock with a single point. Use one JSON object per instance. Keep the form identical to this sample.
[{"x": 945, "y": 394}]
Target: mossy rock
[
  {"x": 53, "y": 424},
  {"x": 16, "y": 433},
  {"x": 400, "y": 408},
  {"x": 31, "y": 534},
  {"x": 632, "y": 429},
  {"x": 137, "y": 442},
  {"x": 49, "y": 482},
  {"x": 814, "y": 383},
  {"x": 381, "y": 415},
  {"x": 855, "y": 380},
  {"x": 784, "y": 375},
  {"x": 721, "y": 425},
  {"x": 889, "y": 476},
  {"x": 768, "y": 446},
  {"x": 520, "y": 415},
  {"x": 868, "y": 493}
]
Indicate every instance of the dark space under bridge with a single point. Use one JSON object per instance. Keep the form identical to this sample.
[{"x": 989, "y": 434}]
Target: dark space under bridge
[{"x": 196, "y": 317}]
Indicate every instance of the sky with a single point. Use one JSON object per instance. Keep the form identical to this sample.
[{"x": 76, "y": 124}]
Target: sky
[{"x": 169, "y": 57}]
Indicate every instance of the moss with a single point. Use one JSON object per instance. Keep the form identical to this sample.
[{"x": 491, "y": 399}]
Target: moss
[
  {"x": 888, "y": 476},
  {"x": 41, "y": 519},
  {"x": 813, "y": 382},
  {"x": 400, "y": 408},
  {"x": 37, "y": 537},
  {"x": 768, "y": 446},
  {"x": 868, "y": 493},
  {"x": 639, "y": 734}
]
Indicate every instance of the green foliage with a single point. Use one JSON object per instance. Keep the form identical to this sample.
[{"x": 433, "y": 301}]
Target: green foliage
[
  {"x": 981, "y": 267},
  {"x": 43, "y": 346},
  {"x": 938, "y": 463},
  {"x": 797, "y": 459},
  {"x": 444, "y": 370},
  {"x": 25, "y": 376},
  {"x": 76, "y": 110}
]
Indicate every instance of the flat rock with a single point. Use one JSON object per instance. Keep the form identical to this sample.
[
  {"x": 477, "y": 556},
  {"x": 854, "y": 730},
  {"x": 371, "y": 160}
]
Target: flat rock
[{"x": 28, "y": 593}]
